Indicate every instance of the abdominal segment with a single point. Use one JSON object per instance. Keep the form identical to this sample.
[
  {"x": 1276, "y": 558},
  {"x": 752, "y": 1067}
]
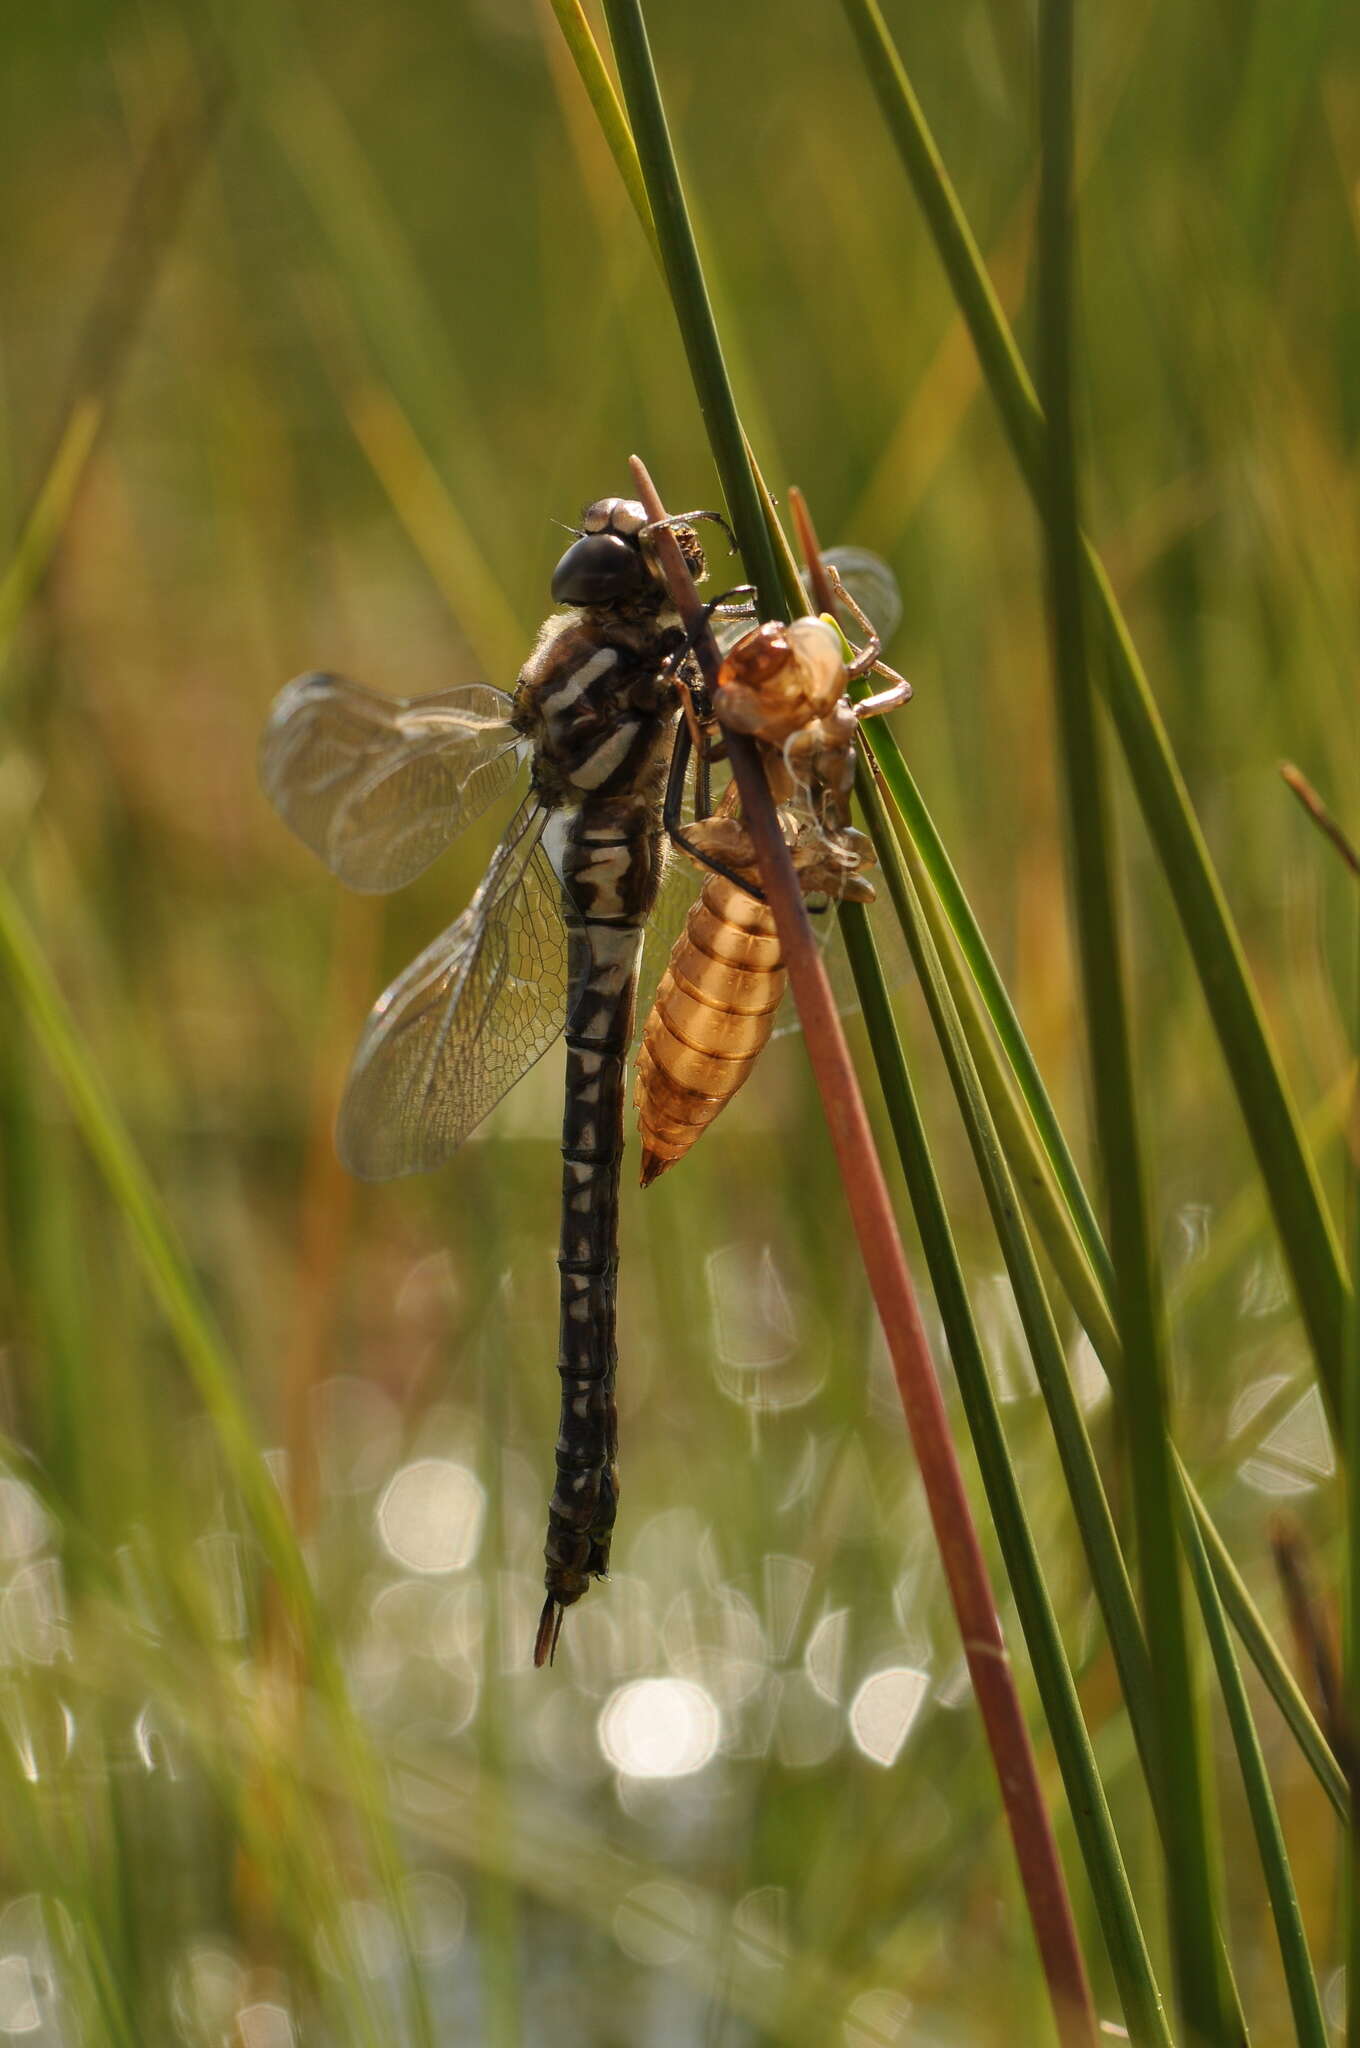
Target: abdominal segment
[{"x": 714, "y": 1011}]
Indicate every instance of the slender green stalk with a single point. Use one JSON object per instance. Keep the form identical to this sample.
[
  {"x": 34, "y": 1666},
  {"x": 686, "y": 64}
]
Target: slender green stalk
[
  {"x": 946, "y": 887},
  {"x": 585, "y": 54},
  {"x": 907, "y": 882},
  {"x": 880, "y": 1248},
  {"x": 1188, "y": 1834},
  {"x": 1141, "y": 1999},
  {"x": 201, "y": 1346},
  {"x": 689, "y": 297},
  {"x": 107, "y": 334},
  {"x": 1056, "y": 1227},
  {"x": 1350, "y": 1633},
  {"x": 1309, "y": 2025},
  {"x": 1305, "y": 1227},
  {"x": 1275, "y": 1672}
]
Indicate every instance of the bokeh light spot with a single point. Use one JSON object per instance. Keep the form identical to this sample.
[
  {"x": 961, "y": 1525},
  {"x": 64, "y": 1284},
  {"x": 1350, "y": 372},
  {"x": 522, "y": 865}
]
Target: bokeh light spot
[
  {"x": 19, "y": 2012},
  {"x": 430, "y": 1515},
  {"x": 265, "y": 2026},
  {"x": 659, "y": 1728},
  {"x": 883, "y": 1710}
]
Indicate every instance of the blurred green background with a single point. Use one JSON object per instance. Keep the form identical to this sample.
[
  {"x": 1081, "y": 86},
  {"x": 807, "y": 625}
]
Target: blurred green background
[{"x": 405, "y": 320}]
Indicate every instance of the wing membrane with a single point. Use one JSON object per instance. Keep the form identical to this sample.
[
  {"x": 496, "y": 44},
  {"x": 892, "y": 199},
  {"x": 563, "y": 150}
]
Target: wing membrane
[
  {"x": 468, "y": 1017},
  {"x": 378, "y": 786}
]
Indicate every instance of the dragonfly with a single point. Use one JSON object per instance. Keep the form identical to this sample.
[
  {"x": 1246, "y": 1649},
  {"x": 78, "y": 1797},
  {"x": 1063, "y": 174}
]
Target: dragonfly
[
  {"x": 379, "y": 787},
  {"x": 550, "y": 942}
]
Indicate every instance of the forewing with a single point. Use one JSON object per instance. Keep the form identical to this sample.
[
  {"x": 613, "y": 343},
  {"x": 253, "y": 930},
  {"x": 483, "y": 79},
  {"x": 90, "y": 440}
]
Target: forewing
[
  {"x": 873, "y": 586},
  {"x": 378, "y": 786},
  {"x": 468, "y": 1017}
]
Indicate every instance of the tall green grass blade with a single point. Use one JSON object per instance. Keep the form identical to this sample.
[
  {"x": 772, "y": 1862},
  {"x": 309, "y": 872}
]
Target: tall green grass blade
[
  {"x": 908, "y": 885},
  {"x": 1028, "y": 1165},
  {"x": 1045, "y": 1889},
  {"x": 689, "y": 296},
  {"x": 946, "y": 888},
  {"x": 585, "y": 54},
  {"x": 1203, "y": 1996},
  {"x": 1115, "y": 1906},
  {"x": 1309, "y": 2025},
  {"x": 195, "y": 1332},
  {"x": 1350, "y": 1581},
  {"x": 107, "y": 335},
  {"x": 1304, "y": 1225}
]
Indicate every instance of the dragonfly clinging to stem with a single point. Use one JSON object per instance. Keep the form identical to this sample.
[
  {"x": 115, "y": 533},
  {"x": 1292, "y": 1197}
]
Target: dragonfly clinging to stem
[{"x": 550, "y": 941}]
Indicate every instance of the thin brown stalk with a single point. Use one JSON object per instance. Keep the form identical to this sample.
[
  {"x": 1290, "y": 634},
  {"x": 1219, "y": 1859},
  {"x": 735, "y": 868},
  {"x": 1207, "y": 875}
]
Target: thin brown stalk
[
  {"x": 922, "y": 1402},
  {"x": 1313, "y": 1627},
  {"x": 1317, "y": 810}
]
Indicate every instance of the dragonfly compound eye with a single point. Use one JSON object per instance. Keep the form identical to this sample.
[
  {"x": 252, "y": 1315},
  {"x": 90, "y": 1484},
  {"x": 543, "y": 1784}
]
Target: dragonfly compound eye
[
  {"x": 600, "y": 568},
  {"x": 614, "y": 515}
]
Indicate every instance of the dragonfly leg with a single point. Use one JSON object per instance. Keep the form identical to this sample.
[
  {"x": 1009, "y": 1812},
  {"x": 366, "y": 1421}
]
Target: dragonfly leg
[
  {"x": 672, "y": 814},
  {"x": 867, "y": 660}
]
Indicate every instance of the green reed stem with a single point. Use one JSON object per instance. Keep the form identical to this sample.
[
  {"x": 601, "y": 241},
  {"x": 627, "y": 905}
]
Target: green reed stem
[
  {"x": 195, "y": 1331},
  {"x": 1301, "y": 1217},
  {"x": 585, "y": 55},
  {"x": 1309, "y": 2025},
  {"x": 1187, "y": 1827},
  {"x": 689, "y": 297},
  {"x": 906, "y": 884},
  {"x": 107, "y": 334},
  {"x": 1029, "y": 1166},
  {"x": 1350, "y": 1577},
  {"x": 1115, "y": 1907}
]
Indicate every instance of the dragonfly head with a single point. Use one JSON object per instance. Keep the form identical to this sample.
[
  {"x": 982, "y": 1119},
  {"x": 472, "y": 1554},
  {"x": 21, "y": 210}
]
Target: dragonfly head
[{"x": 609, "y": 562}]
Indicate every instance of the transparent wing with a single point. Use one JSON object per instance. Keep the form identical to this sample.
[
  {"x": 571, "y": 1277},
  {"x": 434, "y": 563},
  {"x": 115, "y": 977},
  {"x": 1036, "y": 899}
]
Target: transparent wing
[
  {"x": 680, "y": 886},
  {"x": 378, "y": 786},
  {"x": 468, "y": 1017},
  {"x": 873, "y": 586}
]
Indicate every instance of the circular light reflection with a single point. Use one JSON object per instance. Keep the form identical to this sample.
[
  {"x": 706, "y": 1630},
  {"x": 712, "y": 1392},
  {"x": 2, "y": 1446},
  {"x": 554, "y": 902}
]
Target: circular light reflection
[
  {"x": 438, "y": 1914},
  {"x": 876, "y": 2017},
  {"x": 659, "y": 1728},
  {"x": 207, "y": 1991},
  {"x": 19, "y": 2012},
  {"x": 430, "y": 1515},
  {"x": 265, "y": 2026},
  {"x": 23, "y": 1520},
  {"x": 883, "y": 1710}
]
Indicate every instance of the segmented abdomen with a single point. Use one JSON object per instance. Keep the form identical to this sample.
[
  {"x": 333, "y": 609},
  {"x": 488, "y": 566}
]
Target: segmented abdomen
[{"x": 713, "y": 1011}]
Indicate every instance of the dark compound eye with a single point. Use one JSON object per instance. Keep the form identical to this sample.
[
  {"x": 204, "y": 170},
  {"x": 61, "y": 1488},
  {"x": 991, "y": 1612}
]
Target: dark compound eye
[
  {"x": 599, "y": 569},
  {"x": 614, "y": 515}
]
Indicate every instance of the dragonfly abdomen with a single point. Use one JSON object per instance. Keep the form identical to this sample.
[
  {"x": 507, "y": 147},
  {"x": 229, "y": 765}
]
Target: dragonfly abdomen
[
  {"x": 712, "y": 1015},
  {"x": 610, "y": 870}
]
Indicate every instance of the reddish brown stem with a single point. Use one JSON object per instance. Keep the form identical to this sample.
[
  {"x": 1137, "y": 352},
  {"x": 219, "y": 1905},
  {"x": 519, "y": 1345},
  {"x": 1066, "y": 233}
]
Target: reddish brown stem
[{"x": 922, "y": 1403}]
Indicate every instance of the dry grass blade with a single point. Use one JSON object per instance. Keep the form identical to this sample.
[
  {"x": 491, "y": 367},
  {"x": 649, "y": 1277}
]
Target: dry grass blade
[{"x": 1295, "y": 779}]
